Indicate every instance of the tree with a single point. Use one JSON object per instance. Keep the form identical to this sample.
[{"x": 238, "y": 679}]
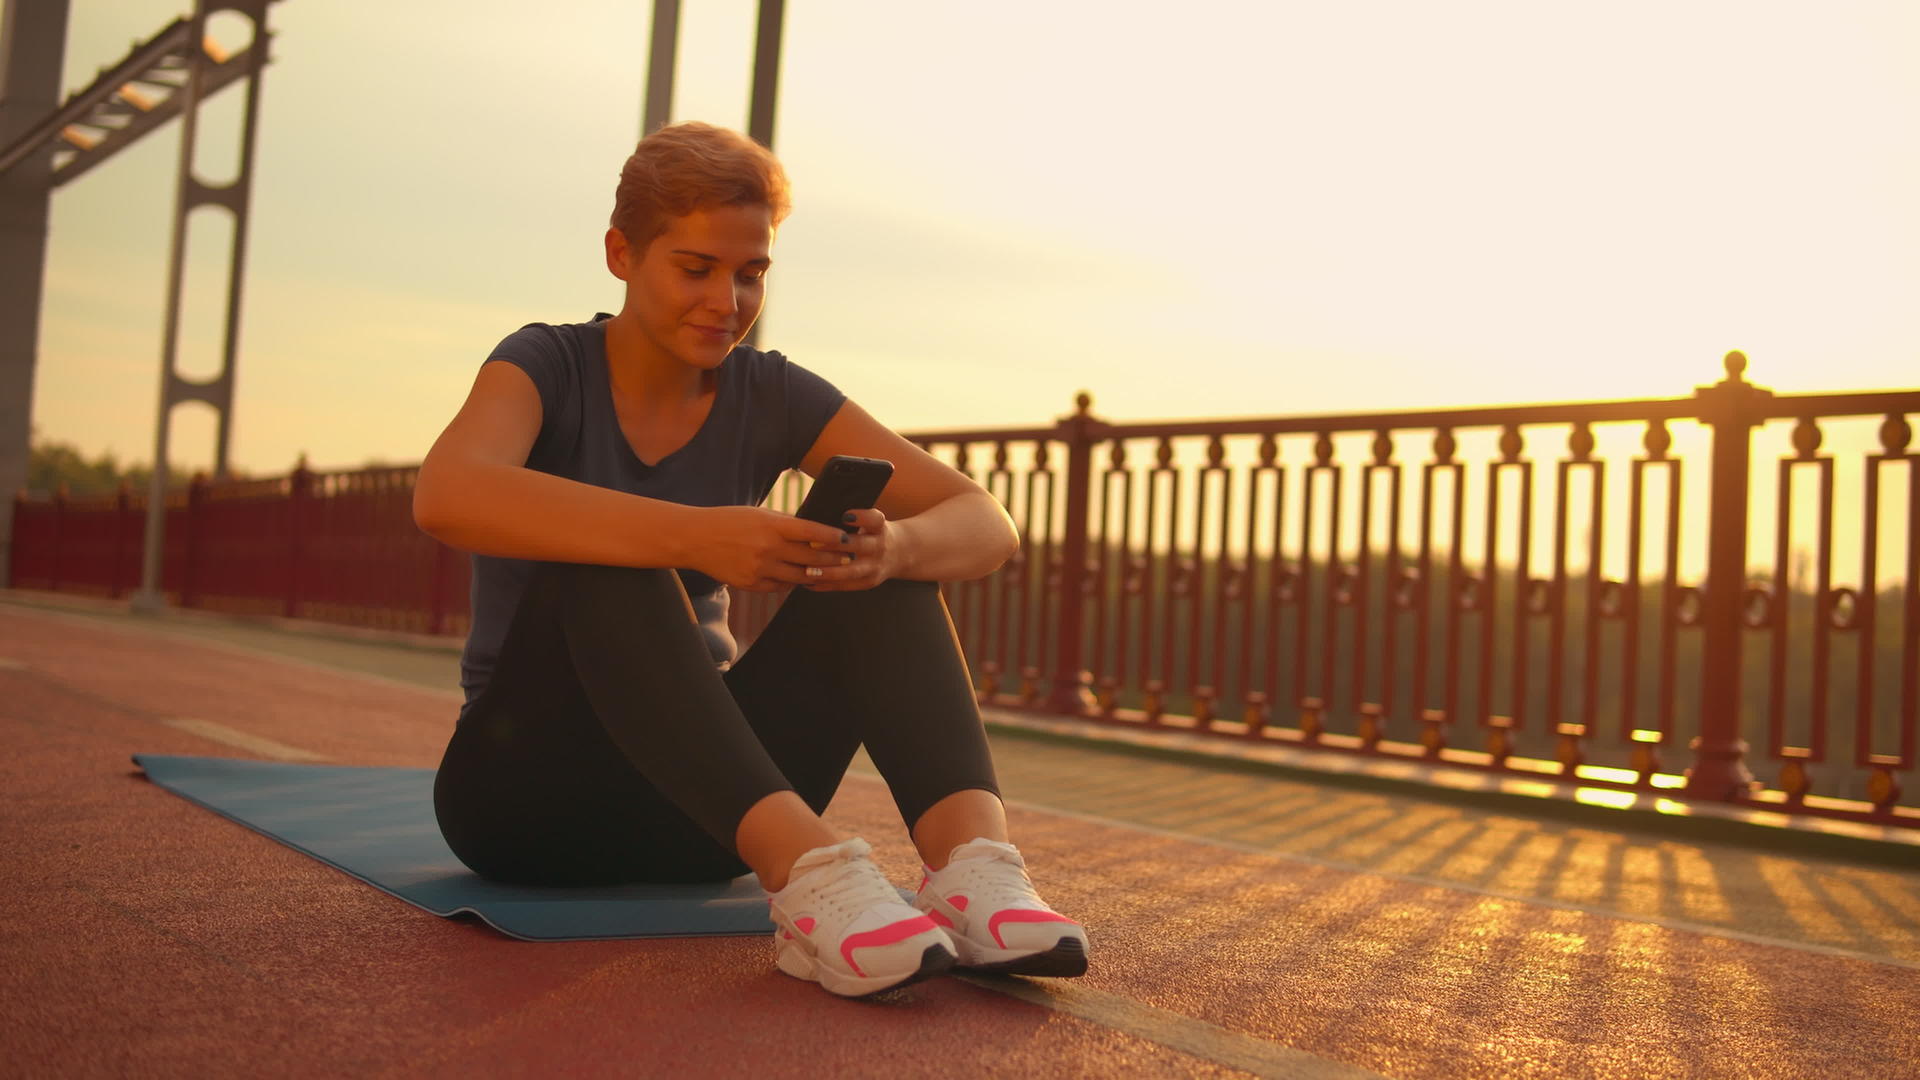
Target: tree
[{"x": 51, "y": 464}]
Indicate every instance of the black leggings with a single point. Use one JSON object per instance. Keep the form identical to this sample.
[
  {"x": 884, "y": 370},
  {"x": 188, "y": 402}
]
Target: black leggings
[{"x": 607, "y": 748}]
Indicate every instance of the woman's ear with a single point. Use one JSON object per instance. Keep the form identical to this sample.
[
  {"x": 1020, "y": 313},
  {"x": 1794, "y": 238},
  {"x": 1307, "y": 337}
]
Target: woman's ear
[{"x": 619, "y": 254}]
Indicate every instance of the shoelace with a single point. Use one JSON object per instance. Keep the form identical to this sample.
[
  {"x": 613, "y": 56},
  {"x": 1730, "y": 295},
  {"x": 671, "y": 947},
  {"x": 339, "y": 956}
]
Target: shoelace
[
  {"x": 979, "y": 879},
  {"x": 853, "y": 884}
]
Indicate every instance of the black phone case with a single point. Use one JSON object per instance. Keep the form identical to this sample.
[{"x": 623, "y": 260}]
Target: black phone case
[{"x": 846, "y": 483}]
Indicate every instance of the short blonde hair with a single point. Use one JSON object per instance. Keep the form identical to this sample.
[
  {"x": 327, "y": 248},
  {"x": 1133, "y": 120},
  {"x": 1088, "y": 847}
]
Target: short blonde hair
[{"x": 685, "y": 167}]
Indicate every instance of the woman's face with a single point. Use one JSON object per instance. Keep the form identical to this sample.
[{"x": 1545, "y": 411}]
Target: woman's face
[{"x": 698, "y": 286}]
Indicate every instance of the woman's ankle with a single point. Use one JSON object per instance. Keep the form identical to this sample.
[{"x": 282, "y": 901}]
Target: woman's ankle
[
  {"x": 969, "y": 814},
  {"x": 776, "y": 831}
]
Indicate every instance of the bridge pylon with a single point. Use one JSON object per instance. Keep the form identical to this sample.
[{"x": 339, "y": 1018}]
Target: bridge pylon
[{"x": 169, "y": 74}]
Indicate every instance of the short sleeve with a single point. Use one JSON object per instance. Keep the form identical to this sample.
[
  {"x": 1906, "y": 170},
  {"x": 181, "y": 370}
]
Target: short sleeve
[
  {"x": 537, "y": 350},
  {"x": 811, "y": 402}
]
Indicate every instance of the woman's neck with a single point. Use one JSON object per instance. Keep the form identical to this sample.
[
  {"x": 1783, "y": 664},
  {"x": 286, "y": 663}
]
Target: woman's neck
[{"x": 644, "y": 375}]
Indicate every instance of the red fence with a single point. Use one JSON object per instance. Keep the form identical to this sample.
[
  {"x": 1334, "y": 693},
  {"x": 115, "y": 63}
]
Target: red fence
[
  {"x": 1472, "y": 586},
  {"x": 339, "y": 547}
]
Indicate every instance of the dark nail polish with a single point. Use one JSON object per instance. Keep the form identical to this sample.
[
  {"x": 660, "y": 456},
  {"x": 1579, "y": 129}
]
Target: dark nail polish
[
  {"x": 847, "y": 517},
  {"x": 846, "y": 538}
]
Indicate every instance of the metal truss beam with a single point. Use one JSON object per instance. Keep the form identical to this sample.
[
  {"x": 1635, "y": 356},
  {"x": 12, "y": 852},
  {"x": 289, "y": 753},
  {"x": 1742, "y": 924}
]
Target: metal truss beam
[
  {"x": 660, "y": 64},
  {"x": 134, "y": 96}
]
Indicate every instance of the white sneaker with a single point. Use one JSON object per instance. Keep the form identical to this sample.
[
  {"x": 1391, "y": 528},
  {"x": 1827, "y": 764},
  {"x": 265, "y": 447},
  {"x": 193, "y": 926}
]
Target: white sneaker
[
  {"x": 842, "y": 924},
  {"x": 986, "y": 903}
]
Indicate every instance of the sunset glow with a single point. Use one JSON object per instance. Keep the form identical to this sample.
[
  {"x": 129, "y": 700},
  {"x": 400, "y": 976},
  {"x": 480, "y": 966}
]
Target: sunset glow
[{"x": 1296, "y": 208}]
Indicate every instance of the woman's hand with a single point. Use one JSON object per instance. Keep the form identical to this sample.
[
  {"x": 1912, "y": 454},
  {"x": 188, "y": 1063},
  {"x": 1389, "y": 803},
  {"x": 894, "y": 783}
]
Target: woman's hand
[
  {"x": 932, "y": 523},
  {"x": 875, "y": 554},
  {"x": 758, "y": 550}
]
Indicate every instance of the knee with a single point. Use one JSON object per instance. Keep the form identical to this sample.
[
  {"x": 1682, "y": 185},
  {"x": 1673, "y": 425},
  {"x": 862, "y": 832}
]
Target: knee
[
  {"x": 839, "y": 617},
  {"x": 894, "y": 594},
  {"x": 890, "y": 615},
  {"x": 589, "y": 587},
  {"x": 577, "y": 577}
]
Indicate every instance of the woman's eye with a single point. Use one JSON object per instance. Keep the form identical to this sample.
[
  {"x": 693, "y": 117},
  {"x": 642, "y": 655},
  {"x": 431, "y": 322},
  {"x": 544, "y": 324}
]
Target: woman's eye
[
  {"x": 753, "y": 277},
  {"x": 694, "y": 271}
]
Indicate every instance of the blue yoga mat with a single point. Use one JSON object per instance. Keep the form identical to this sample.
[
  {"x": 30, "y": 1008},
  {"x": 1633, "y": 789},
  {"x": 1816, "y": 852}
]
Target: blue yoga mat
[{"x": 378, "y": 825}]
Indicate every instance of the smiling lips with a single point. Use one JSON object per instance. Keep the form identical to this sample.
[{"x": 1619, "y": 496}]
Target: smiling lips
[{"x": 711, "y": 333}]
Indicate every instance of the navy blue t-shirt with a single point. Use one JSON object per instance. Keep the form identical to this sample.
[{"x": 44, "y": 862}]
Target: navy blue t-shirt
[{"x": 767, "y": 412}]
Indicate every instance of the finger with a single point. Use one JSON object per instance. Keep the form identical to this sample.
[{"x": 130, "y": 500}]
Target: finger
[
  {"x": 811, "y": 555},
  {"x": 853, "y": 584},
  {"x": 804, "y": 566},
  {"x": 816, "y": 576},
  {"x": 849, "y": 569},
  {"x": 865, "y": 520},
  {"x": 800, "y": 530},
  {"x": 843, "y": 542},
  {"x": 775, "y": 572}
]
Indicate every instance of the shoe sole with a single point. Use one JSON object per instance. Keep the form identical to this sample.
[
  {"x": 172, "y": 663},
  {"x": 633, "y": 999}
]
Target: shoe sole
[
  {"x": 1065, "y": 960},
  {"x": 934, "y": 960}
]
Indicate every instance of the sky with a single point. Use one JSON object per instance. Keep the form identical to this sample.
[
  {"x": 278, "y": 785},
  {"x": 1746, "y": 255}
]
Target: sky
[{"x": 1205, "y": 209}]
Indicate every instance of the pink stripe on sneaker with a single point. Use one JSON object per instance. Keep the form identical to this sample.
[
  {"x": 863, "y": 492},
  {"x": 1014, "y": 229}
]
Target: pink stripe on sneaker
[
  {"x": 886, "y": 935},
  {"x": 804, "y": 923},
  {"x": 1023, "y": 915},
  {"x": 958, "y": 901},
  {"x": 940, "y": 917}
]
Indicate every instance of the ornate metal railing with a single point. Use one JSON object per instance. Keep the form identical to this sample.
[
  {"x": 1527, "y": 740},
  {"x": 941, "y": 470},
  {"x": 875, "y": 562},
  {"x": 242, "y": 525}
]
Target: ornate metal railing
[
  {"x": 339, "y": 547},
  {"x": 1545, "y": 590},
  {"x": 1604, "y": 592}
]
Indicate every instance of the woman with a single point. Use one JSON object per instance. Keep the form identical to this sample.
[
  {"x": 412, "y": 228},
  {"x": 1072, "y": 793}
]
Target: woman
[{"x": 608, "y": 736}]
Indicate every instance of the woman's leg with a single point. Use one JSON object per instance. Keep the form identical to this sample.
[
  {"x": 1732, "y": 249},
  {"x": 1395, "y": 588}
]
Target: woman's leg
[
  {"x": 605, "y": 747},
  {"x": 956, "y": 819},
  {"x": 881, "y": 667},
  {"x": 539, "y": 785}
]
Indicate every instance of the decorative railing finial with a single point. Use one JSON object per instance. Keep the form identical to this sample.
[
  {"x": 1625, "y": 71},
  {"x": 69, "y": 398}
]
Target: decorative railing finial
[
  {"x": 1895, "y": 434},
  {"x": 1082, "y": 403},
  {"x": 1806, "y": 438},
  {"x": 1734, "y": 392}
]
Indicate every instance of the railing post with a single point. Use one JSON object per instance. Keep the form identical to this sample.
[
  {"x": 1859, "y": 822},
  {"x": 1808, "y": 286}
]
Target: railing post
[
  {"x": 1731, "y": 408},
  {"x": 122, "y": 513},
  {"x": 59, "y": 528},
  {"x": 13, "y": 539},
  {"x": 1072, "y": 692},
  {"x": 190, "y": 547},
  {"x": 299, "y": 491}
]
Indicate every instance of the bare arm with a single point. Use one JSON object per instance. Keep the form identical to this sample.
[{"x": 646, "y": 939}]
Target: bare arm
[
  {"x": 475, "y": 492},
  {"x": 932, "y": 524}
]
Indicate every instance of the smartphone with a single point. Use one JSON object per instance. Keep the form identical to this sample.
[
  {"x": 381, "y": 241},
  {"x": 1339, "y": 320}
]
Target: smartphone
[{"x": 846, "y": 483}]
